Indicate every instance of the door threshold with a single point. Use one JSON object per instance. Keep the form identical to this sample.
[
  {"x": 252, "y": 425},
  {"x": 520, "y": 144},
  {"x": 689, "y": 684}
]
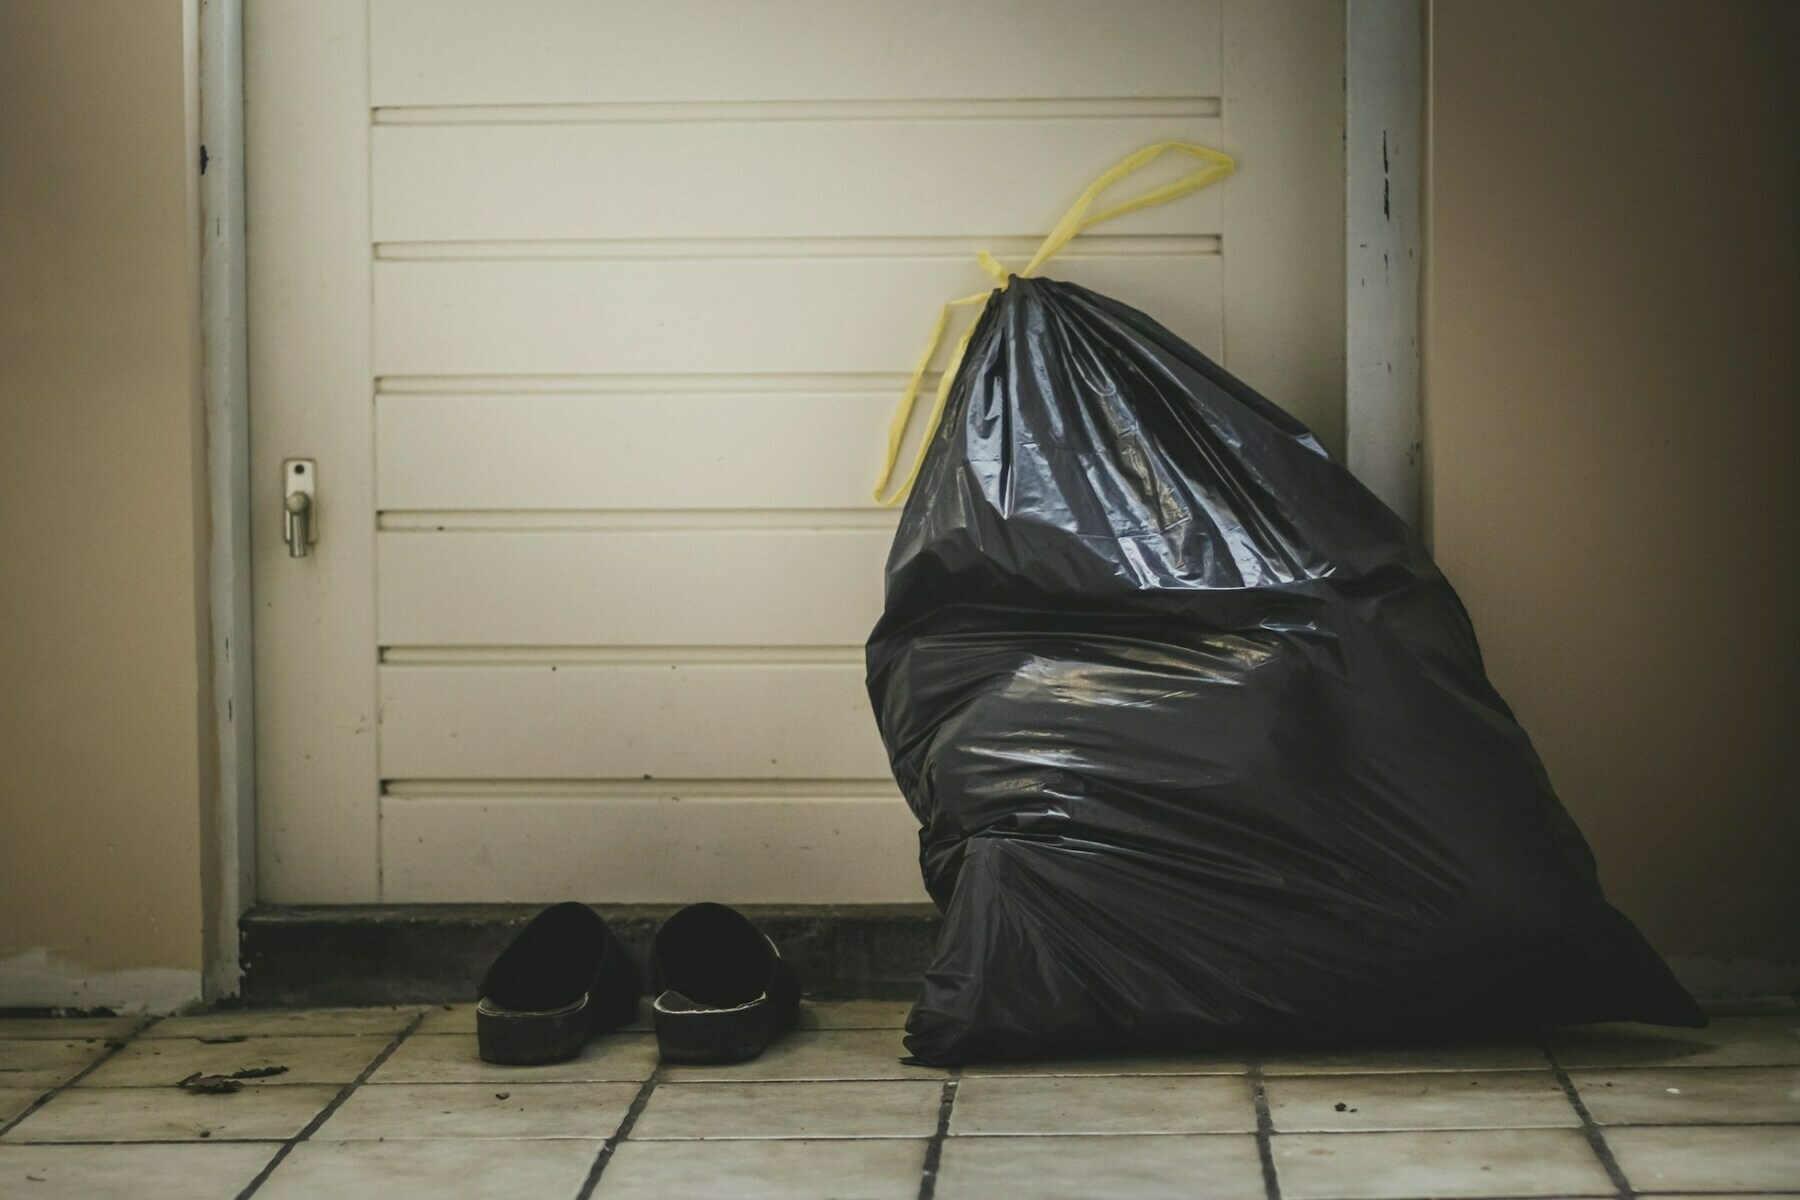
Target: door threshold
[{"x": 321, "y": 955}]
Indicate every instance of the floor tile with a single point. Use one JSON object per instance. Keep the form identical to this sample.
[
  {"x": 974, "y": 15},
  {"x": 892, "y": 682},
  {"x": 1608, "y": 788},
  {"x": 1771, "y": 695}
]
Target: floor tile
[
  {"x": 1423, "y": 1100},
  {"x": 460, "y": 1018},
  {"x": 1721, "y": 1158},
  {"x": 431, "y": 1170},
  {"x": 819, "y": 1054},
  {"x": 475, "y": 1110},
  {"x": 168, "y": 1114},
  {"x": 1104, "y": 1104},
  {"x": 15, "y": 1100},
  {"x": 286, "y": 1022},
  {"x": 1508, "y": 1054},
  {"x": 454, "y": 1058},
  {"x": 67, "y": 1029},
  {"x": 447, "y": 1018},
  {"x": 130, "y": 1172},
  {"x": 1216, "y": 1166},
  {"x": 874, "y": 1169},
  {"x": 854, "y": 1014},
  {"x": 1751, "y": 1005},
  {"x": 1691, "y": 1095},
  {"x": 1467, "y": 1163},
  {"x": 833, "y": 1108},
  {"x": 1727, "y": 1042},
  {"x": 44, "y": 1063},
  {"x": 1194, "y": 1063},
  {"x": 163, "y": 1062}
]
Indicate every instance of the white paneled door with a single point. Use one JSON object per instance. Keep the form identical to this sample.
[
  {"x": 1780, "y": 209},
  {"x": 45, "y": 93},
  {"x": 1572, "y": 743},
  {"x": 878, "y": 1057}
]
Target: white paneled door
[{"x": 591, "y": 315}]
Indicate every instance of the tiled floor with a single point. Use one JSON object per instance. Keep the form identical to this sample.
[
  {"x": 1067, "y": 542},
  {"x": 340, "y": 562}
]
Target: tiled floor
[{"x": 393, "y": 1103}]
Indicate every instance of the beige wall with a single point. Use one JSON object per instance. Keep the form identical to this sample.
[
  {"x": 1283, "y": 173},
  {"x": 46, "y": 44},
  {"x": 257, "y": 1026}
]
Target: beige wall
[
  {"x": 104, "y": 720},
  {"x": 1611, "y": 380}
]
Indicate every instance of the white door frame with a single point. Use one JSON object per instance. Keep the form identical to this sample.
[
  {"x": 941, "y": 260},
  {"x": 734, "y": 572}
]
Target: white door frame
[
  {"x": 1384, "y": 60},
  {"x": 1384, "y": 104},
  {"x": 224, "y": 332}
]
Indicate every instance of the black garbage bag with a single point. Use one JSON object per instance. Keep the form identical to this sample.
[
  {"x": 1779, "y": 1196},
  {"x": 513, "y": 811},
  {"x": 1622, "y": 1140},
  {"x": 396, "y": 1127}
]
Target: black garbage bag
[{"x": 1199, "y": 737}]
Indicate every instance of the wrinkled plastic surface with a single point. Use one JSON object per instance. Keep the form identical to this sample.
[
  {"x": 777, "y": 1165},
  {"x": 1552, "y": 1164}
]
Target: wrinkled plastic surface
[{"x": 1199, "y": 737}]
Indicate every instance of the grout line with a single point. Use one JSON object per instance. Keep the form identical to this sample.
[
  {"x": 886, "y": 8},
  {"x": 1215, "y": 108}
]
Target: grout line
[
  {"x": 1584, "y": 1068},
  {"x": 337, "y": 1102},
  {"x": 934, "y": 1149},
  {"x": 620, "y": 1134},
  {"x": 234, "y": 1039},
  {"x": 178, "y": 1141},
  {"x": 1647, "y": 1067},
  {"x": 1714, "y": 1195},
  {"x": 688, "y": 1139},
  {"x": 1265, "y": 1130},
  {"x": 113, "y": 1046},
  {"x": 1589, "y": 1127}
]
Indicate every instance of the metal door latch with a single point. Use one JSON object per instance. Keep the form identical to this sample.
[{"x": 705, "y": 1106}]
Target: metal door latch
[{"x": 299, "y": 521}]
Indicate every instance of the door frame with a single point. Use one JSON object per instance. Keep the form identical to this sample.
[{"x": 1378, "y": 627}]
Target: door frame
[
  {"x": 229, "y": 816},
  {"x": 1386, "y": 49}
]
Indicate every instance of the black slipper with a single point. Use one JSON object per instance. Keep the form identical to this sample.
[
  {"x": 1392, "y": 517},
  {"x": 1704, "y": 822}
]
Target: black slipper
[
  {"x": 725, "y": 989},
  {"x": 563, "y": 979}
]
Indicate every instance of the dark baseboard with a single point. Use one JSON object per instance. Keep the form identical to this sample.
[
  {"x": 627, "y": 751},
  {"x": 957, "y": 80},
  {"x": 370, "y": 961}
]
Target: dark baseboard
[{"x": 435, "y": 953}]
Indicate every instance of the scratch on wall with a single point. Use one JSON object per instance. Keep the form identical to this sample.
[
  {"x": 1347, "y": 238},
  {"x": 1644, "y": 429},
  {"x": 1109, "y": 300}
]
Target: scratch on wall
[{"x": 1387, "y": 183}]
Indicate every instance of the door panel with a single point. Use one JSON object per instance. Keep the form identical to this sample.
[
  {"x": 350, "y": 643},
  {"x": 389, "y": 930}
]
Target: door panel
[
  {"x": 787, "y": 845},
  {"x": 592, "y": 315},
  {"x": 447, "y": 52},
  {"x": 659, "y": 586},
  {"x": 734, "y": 449},
  {"x": 306, "y": 122},
  {"x": 878, "y": 178},
  {"x": 725, "y": 315},
  {"x": 682, "y": 719}
]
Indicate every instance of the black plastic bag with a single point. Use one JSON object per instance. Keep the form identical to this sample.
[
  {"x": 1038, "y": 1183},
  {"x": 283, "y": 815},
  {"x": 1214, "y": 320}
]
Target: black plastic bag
[{"x": 1198, "y": 735}]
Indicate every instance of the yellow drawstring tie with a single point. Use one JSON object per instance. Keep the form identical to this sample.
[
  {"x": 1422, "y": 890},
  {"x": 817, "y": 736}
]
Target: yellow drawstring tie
[{"x": 1215, "y": 166}]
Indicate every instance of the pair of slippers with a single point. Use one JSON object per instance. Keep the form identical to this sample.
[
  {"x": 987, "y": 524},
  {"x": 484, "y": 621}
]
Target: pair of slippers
[{"x": 723, "y": 989}]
